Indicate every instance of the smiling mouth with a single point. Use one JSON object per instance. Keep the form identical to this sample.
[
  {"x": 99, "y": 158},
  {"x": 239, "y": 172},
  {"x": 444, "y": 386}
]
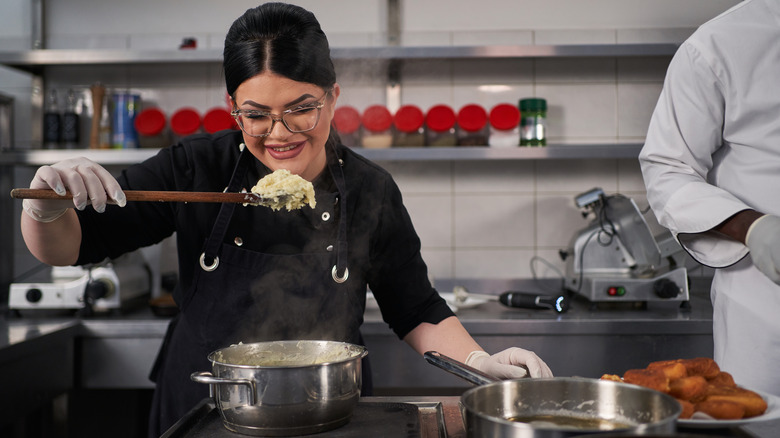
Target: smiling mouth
[{"x": 286, "y": 148}]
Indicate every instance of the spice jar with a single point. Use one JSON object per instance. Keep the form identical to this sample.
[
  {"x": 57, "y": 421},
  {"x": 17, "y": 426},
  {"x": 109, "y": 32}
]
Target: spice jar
[
  {"x": 473, "y": 128},
  {"x": 346, "y": 121},
  {"x": 150, "y": 124},
  {"x": 408, "y": 121},
  {"x": 218, "y": 119},
  {"x": 185, "y": 121},
  {"x": 504, "y": 126},
  {"x": 440, "y": 126},
  {"x": 533, "y": 125},
  {"x": 377, "y": 128}
]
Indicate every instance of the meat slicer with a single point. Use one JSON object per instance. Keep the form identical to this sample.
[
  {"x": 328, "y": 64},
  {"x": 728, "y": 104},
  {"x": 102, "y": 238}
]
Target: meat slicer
[
  {"x": 110, "y": 286},
  {"x": 616, "y": 258}
]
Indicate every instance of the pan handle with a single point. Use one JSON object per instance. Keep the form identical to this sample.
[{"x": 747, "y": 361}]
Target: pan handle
[
  {"x": 208, "y": 378},
  {"x": 459, "y": 369}
]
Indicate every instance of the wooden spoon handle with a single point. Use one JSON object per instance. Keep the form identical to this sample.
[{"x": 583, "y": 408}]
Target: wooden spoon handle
[{"x": 151, "y": 195}]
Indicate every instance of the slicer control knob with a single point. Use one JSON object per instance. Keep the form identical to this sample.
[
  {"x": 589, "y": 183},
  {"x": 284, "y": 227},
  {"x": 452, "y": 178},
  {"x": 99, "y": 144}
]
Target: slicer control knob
[
  {"x": 665, "y": 288},
  {"x": 34, "y": 295}
]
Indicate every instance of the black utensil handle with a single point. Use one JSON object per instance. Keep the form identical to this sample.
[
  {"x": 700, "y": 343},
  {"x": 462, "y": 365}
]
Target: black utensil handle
[{"x": 527, "y": 300}]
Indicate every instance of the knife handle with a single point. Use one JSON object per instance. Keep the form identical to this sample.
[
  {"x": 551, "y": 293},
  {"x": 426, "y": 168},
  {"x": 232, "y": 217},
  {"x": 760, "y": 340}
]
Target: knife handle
[{"x": 527, "y": 300}]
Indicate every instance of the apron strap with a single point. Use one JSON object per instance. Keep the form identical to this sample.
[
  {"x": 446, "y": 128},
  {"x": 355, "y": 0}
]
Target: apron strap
[
  {"x": 211, "y": 251},
  {"x": 340, "y": 271}
]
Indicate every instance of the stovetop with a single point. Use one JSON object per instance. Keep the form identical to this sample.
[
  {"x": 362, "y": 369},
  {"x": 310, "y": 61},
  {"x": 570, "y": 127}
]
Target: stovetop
[{"x": 370, "y": 418}]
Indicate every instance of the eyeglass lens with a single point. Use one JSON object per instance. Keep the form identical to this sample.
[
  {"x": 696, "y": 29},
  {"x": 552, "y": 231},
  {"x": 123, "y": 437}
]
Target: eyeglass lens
[{"x": 300, "y": 120}]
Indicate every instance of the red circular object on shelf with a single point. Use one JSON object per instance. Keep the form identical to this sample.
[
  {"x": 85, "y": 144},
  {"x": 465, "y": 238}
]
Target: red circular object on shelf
[
  {"x": 185, "y": 121},
  {"x": 377, "y": 118},
  {"x": 218, "y": 119},
  {"x": 440, "y": 118},
  {"x": 472, "y": 118},
  {"x": 346, "y": 119},
  {"x": 409, "y": 118},
  {"x": 504, "y": 116},
  {"x": 150, "y": 121}
]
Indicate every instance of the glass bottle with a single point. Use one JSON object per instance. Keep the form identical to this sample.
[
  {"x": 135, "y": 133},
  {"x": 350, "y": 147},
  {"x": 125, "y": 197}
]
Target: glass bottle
[
  {"x": 473, "y": 128},
  {"x": 440, "y": 126},
  {"x": 533, "y": 125},
  {"x": 71, "y": 124},
  {"x": 52, "y": 122},
  {"x": 409, "y": 132},
  {"x": 504, "y": 126}
]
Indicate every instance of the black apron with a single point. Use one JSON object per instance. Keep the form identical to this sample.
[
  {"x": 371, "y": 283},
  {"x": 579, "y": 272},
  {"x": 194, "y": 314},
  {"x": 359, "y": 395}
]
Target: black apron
[{"x": 240, "y": 295}]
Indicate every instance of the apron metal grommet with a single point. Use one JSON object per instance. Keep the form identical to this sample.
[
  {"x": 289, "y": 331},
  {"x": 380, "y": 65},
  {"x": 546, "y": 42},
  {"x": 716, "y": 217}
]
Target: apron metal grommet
[
  {"x": 238, "y": 241},
  {"x": 326, "y": 216},
  {"x": 329, "y": 248},
  {"x": 334, "y": 273},
  {"x": 212, "y": 266}
]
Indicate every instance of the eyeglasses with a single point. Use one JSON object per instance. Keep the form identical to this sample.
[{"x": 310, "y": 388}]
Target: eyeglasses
[{"x": 299, "y": 119}]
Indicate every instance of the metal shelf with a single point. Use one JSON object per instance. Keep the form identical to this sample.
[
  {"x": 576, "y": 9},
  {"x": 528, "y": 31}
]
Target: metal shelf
[
  {"x": 33, "y": 60},
  {"x": 40, "y": 157}
]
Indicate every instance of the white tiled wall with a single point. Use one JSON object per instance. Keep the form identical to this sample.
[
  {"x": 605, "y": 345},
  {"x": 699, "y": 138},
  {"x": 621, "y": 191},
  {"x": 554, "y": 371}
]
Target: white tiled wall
[{"x": 476, "y": 219}]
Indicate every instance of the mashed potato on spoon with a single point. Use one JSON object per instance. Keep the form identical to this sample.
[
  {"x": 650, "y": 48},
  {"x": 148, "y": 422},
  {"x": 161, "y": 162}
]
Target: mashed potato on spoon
[{"x": 284, "y": 189}]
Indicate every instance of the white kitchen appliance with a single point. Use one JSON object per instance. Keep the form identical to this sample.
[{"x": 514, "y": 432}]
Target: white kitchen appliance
[
  {"x": 616, "y": 258},
  {"x": 110, "y": 286}
]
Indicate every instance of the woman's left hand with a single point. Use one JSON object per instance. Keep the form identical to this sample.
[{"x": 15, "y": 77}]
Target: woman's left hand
[{"x": 512, "y": 363}]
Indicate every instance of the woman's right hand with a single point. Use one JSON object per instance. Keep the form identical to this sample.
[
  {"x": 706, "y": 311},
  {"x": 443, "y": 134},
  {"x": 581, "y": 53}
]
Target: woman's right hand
[{"x": 87, "y": 181}]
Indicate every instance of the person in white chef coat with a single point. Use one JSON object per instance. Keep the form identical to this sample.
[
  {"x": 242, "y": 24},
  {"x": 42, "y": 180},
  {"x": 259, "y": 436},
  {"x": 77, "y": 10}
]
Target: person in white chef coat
[{"x": 711, "y": 163}]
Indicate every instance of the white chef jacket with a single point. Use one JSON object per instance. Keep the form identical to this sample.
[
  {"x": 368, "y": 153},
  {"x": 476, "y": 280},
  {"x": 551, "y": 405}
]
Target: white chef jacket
[{"x": 712, "y": 150}]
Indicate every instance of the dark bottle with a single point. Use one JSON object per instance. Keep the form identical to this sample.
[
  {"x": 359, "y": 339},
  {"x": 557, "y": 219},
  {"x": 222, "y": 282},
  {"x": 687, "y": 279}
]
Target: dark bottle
[
  {"x": 52, "y": 122},
  {"x": 71, "y": 131}
]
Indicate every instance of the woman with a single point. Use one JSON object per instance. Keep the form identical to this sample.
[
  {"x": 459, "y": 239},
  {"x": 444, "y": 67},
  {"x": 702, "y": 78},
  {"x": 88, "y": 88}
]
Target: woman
[{"x": 251, "y": 274}]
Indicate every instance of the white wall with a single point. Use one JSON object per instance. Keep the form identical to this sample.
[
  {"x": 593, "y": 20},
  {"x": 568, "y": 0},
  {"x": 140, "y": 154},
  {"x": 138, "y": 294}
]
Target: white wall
[{"x": 476, "y": 219}]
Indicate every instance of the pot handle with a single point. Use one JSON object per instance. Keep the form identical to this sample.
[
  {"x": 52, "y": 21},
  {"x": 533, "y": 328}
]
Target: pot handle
[
  {"x": 208, "y": 378},
  {"x": 460, "y": 369}
]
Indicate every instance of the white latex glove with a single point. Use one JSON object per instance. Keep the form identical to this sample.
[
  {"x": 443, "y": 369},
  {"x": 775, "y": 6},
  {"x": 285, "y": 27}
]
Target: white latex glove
[
  {"x": 512, "y": 363},
  {"x": 89, "y": 183},
  {"x": 763, "y": 240}
]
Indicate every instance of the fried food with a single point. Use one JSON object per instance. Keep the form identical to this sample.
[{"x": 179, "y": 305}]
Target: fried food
[
  {"x": 672, "y": 369},
  {"x": 653, "y": 379},
  {"x": 723, "y": 379},
  {"x": 701, "y": 366},
  {"x": 692, "y": 388},
  {"x": 698, "y": 385},
  {"x": 753, "y": 403},
  {"x": 721, "y": 409},
  {"x": 688, "y": 408}
]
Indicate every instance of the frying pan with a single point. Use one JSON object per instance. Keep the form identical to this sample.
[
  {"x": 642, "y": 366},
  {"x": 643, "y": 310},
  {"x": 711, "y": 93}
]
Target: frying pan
[{"x": 558, "y": 407}]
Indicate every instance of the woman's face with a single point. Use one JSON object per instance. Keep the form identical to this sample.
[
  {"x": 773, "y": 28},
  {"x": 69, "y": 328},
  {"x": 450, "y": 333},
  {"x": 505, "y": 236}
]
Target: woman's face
[{"x": 302, "y": 153}]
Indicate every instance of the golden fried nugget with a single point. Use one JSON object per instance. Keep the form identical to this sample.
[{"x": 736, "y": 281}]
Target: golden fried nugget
[
  {"x": 653, "y": 379},
  {"x": 701, "y": 366},
  {"x": 692, "y": 388},
  {"x": 613, "y": 377},
  {"x": 722, "y": 379},
  {"x": 671, "y": 369},
  {"x": 721, "y": 409},
  {"x": 687, "y": 408},
  {"x": 751, "y": 401}
]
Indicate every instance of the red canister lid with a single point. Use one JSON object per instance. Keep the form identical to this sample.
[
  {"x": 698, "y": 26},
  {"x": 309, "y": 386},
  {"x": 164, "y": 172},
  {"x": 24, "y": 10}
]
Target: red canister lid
[
  {"x": 185, "y": 121},
  {"x": 150, "y": 121},
  {"x": 377, "y": 118},
  {"x": 218, "y": 119},
  {"x": 472, "y": 118},
  {"x": 440, "y": 118},
  {"x": 346, "y": 119},
  {"x": 504, "y": 116},
  {"x": 409, "y": 118}
]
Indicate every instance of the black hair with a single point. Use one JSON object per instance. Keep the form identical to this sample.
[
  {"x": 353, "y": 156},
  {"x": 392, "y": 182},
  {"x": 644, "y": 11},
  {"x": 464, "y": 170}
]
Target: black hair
[{"x": 279, "y": 37}]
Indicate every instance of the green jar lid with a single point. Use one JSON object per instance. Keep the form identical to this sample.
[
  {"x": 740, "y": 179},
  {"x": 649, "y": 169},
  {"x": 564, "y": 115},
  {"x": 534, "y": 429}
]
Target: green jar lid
[{"x": 533, "y": 104}]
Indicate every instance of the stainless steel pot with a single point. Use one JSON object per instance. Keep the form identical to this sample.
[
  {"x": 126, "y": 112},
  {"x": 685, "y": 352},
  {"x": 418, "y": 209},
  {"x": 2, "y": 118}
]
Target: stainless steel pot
[
  {"x": 558, "y": 407},
  {"x": 285, "y": 388}
]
